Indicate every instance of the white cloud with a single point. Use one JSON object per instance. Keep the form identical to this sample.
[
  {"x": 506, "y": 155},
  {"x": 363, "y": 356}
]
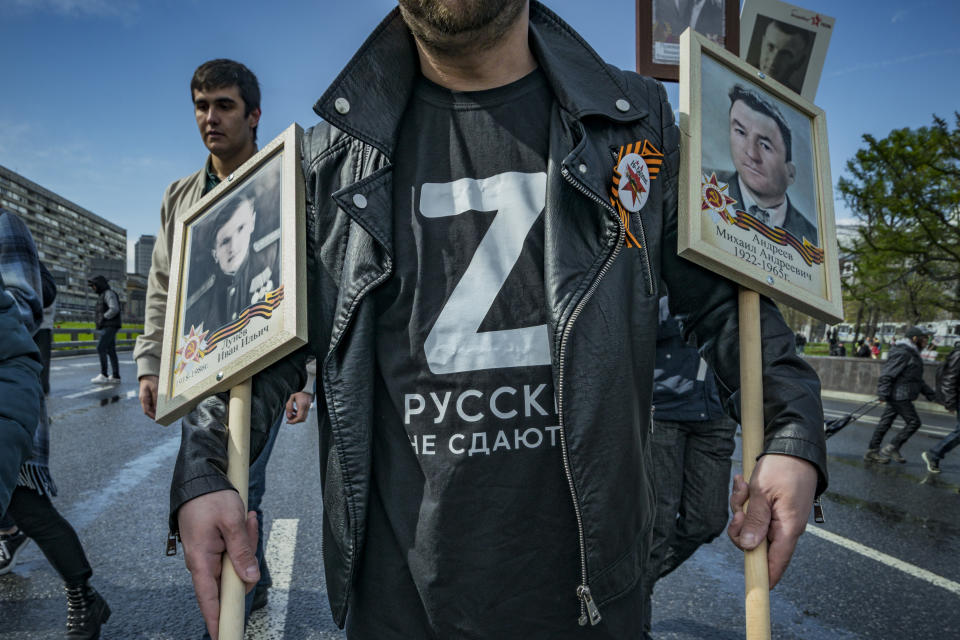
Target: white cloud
[
  {"x": 126, "y": 10},
  {"x": 893, "y": 61}
]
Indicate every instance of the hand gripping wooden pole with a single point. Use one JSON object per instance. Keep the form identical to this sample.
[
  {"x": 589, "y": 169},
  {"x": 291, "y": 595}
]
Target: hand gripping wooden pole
[
  {"x": 751, "y": 426},
  {"x": 232, "y": 589}
]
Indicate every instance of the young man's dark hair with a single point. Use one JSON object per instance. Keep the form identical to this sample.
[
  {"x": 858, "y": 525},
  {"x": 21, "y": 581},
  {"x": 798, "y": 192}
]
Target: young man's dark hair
[
  {"x": 761, "y": 105},
  {"x": 219, "y": 73}
]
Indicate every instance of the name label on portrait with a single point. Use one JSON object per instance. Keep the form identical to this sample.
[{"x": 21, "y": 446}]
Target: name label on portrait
[{"x": 775, "y": 250}]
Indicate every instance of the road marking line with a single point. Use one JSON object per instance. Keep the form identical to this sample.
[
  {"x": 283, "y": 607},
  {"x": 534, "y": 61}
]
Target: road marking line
[
  {"x": 84, "y": 364},
  {"x": 87, "y": 511},
  {"x": 133, "y": 393},
  {"x": 56, "y": 368},
  {"x": 280, "y": 551},
  {"x": 928, "y": 429},
  {"x": 873, "y": 554},
  {"x": 85, "y": 393}
]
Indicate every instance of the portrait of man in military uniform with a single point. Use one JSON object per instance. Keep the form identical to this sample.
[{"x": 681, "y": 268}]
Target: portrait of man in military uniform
[{"x": 234, "y": 262}]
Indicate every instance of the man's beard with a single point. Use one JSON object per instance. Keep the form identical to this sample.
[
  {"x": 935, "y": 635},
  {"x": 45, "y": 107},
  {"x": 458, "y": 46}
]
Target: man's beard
[{"x": 460, "y": 26}]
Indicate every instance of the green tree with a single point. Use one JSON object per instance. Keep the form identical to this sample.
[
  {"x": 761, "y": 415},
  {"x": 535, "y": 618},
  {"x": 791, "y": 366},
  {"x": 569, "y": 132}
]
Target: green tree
[{"x": 905, "y": 189}]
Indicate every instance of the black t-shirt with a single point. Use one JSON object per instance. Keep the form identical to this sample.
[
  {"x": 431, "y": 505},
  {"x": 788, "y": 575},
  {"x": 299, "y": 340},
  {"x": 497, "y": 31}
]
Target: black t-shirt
[{"x": 471, "y": 529}]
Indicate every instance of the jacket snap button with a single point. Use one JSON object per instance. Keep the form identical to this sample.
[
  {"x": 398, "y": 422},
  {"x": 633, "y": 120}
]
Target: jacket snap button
[
  {"x": 623, "y": 105},
  {"x": 582, "y": 168},
  {"x": 360, "y": 201},
  {"x": 342, "y": 105}
]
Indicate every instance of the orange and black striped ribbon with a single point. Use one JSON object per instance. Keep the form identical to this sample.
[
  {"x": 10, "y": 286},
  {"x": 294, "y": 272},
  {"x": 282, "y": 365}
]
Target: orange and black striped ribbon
[
  {"x": 654, "y": 159},
  {"x": 259, "y": 310}
]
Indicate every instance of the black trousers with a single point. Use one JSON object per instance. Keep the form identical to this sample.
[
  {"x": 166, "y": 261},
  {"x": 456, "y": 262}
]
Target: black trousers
[
  {"x": 40, "y": 520},
  {"x": 894, "y": 408},
  {"x": 107, "y": 346}
]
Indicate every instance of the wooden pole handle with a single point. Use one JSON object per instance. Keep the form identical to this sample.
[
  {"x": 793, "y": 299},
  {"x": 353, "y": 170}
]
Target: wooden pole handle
[
  {"x": 232, "y": 589},
  {"x": 751, "y": 426}
]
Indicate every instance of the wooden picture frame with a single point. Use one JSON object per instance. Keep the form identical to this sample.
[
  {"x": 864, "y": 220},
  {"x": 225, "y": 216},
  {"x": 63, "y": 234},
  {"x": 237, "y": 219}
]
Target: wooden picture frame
[
  {"x": 236, "y": 301},
  {"x": 723, "y": 129},
  {"x": 659, "y": 27},
  {"x": 786, "y": 42}
]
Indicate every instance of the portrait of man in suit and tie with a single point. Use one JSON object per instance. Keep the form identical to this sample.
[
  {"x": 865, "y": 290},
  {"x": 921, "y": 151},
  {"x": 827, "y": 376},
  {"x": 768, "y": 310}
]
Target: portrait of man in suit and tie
[
  {"x": 671, "y": 17},
  {"x": 761, "y": 148}
]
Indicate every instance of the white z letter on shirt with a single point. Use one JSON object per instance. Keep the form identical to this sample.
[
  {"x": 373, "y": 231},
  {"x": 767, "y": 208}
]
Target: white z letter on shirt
[{"x": 454, "y": 344}]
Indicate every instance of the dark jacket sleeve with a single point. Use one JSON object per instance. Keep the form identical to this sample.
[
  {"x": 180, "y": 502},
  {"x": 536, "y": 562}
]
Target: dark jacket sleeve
[
  {"x": 948, "y": 384},
  {"x": 706, "y": 305},
  {"x": 202, "y": 460}
]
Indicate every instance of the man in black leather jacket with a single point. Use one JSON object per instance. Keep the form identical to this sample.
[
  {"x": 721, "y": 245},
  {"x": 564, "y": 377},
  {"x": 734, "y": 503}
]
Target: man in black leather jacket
[
  {"x": 899, "y": 384},
  {"x": 598, "y": 316}
]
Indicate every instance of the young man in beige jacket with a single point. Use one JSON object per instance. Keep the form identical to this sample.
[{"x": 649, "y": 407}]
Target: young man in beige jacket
[{"x": 226, "y": 101}]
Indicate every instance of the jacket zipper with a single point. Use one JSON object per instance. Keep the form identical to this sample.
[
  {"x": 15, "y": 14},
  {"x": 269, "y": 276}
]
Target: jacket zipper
[
  {"x": 646, "y": 256},
  {"x": 172, "y": 538},
  {"x": 589, "y": 612}
]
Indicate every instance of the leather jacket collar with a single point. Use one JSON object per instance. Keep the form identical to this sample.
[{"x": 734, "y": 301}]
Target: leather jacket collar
[{"x": 581, "y": 82}]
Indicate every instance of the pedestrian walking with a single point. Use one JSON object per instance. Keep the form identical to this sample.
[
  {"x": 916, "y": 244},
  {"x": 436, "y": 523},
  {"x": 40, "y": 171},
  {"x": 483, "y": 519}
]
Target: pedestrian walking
[
  {"x": 108, "y": 322},
  {"x": 30, "y": 508},
  {"x": 488, "y": 345},
  {"x": 900, "y": 383},
  {"x": 948, "y": 387},
  {"x": 863, "y": 349},
  {"x": 226, "y": 103},
  {"x": 801, "y": 343},
  {"x": 19, "y": 378}
]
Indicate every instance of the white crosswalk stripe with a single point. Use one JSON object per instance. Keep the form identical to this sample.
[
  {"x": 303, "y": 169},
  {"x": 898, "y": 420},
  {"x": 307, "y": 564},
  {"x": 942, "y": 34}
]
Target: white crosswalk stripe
[
  {"x": 890, "y": 561},
  {"x": 281, "y": 547},
  {"x": 83, "y": 393}
]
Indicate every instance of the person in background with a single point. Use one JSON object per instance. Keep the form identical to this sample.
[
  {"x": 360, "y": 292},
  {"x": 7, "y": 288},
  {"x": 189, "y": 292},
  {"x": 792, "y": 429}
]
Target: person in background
[
  {"x": 801, "y": 342},
  {"x": 863, "y": 349},
  {"x": 691, "y": 447},
  {"x": 108, "y": 321},
  {"x": 949, "y": 392},
  {"x": 19, "y": 378},
  {"x": 226, "y": 102},
  {"x": 12, "y": 541},
  {"x": 30, "y": 506},
  {"x": 899, "y": 384}
]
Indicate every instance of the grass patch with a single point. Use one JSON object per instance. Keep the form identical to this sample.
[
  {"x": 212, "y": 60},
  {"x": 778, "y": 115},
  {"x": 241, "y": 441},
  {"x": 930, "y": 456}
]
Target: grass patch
[{"x": 89, "y": 335}]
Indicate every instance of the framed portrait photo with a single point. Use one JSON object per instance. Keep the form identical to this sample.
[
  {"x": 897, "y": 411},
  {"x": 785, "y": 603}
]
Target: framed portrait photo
[
  {"x": 660, "y": 23},
  {"x": 756, "y": 196},
  {"x": 236, "y": 301},
  {"x": 786, "y": 43}
]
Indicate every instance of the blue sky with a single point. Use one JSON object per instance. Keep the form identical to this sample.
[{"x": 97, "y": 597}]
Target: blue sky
[{"x": 95, "y": 103}]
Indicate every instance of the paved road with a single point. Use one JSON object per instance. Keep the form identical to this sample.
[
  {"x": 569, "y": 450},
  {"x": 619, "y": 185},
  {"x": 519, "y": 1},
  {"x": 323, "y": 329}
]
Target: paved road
[{"x": 883, "y": 566}]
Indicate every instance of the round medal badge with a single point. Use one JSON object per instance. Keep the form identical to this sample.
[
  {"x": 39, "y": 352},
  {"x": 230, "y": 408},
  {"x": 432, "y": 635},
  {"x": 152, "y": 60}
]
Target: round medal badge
[{"x": 634, "y": 186}]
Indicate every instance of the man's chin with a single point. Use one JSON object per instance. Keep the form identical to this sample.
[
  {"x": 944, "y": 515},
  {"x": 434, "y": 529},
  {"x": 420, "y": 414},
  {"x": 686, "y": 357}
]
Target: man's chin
[{"x": 216, "y": 145}]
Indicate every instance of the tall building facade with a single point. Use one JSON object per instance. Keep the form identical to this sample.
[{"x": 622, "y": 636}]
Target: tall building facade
[
  {"x": 142, "y": 252},
  {"x": 74, "y": 243}
]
